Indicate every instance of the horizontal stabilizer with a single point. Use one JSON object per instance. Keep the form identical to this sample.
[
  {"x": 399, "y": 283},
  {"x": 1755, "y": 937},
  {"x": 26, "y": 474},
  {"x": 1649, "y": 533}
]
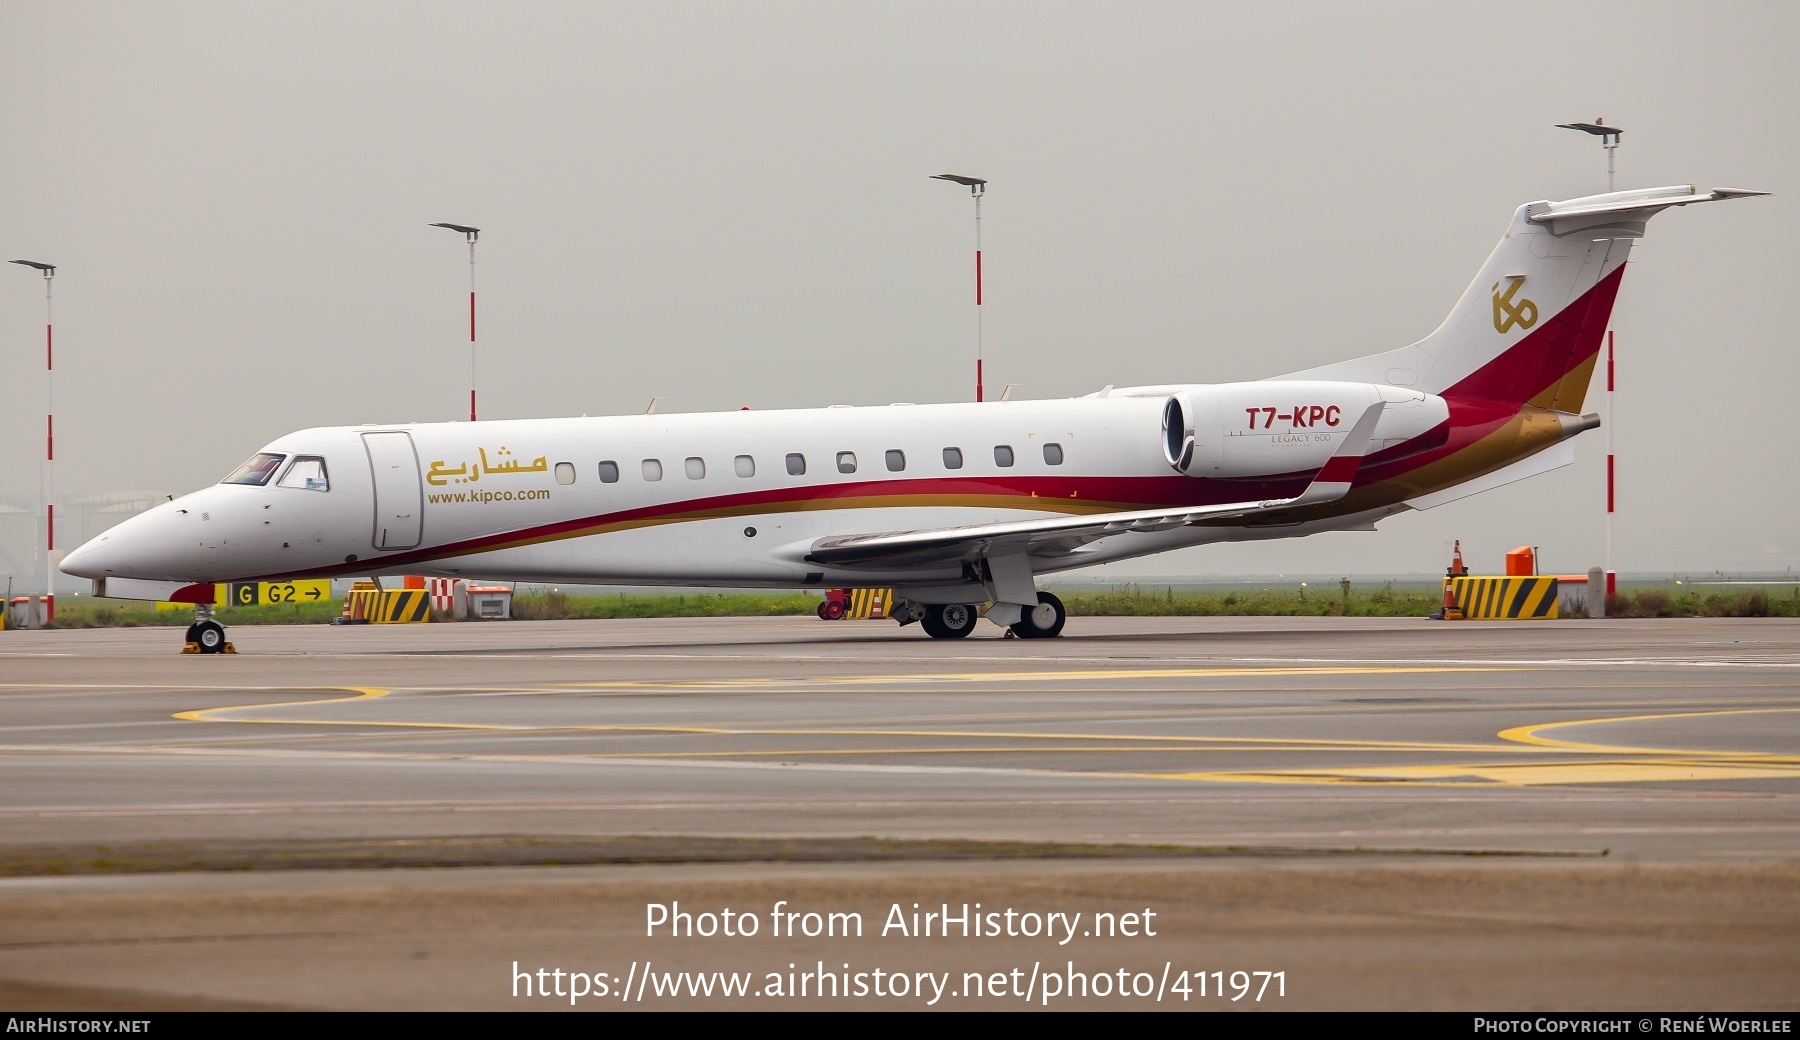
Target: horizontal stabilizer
[{"x": 1636, "y": 205}]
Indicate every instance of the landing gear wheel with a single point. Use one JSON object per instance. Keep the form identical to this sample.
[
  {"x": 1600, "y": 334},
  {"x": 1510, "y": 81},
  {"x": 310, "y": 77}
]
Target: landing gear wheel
[
  {"x": 948, "y": 620},
  {"x": 209, "y": 634},
  {"x": 1044, "y": 621}
]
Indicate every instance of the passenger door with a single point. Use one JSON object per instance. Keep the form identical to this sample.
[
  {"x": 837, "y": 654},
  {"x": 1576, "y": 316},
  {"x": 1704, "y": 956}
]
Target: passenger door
[{"x": 399, "y": 494}]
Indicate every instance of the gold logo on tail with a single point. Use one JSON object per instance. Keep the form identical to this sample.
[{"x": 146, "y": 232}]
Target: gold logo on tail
[{"x": 1507, "y": 314}]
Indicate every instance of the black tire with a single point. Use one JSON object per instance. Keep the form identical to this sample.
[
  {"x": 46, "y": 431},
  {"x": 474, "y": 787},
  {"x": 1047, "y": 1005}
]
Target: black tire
[
  {"x": 193, "y": 633},
  {"x": 210, "y": 635},
  {"x": 1029, "y": 627},
  {"x": 948, "y": 620},
  {"x": 821, "y": 613}
]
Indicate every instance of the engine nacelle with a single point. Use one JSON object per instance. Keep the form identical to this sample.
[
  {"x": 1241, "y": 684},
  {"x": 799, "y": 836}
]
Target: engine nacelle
[{"x": 1234, "y": 430}]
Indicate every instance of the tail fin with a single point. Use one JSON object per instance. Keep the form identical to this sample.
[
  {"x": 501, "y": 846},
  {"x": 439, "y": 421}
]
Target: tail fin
[{"x": 1528, "y": 328}]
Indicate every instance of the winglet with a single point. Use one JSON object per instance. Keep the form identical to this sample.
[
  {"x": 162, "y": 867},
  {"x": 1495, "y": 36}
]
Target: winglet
[{"x": 1335, "y": 477}]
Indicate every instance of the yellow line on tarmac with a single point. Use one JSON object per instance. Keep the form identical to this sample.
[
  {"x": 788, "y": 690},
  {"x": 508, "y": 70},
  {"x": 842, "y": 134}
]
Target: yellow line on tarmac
[
  {"x": 360, "y": 693},
  {"x": 365, "y": 693},
  {"x": 1043, "y": 717},
  {"x": 1529, "y": 735},
  {"x": 1375, "y": 706},
  {"x": 1669, "y": 764},
  {"x": 1523, "y": 774},
  {"x": 1253, "y": 742},
  {"x": 986, "y": 677},
  {"x": 1661, "y": 765},
  {"x": 964, "y": 750}
]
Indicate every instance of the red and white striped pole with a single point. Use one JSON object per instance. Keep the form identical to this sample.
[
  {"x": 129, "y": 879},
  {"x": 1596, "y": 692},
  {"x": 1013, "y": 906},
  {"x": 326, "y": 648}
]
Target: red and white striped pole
[
  {"x": 49, "y": 484},
  {"x": 470, "y": 233},
  {"x": 978, "y": 345},
  {"x": 1611, "y": 497},
  {"x": 976, "y": 186},
  {"x": 1609, "y": 139}
]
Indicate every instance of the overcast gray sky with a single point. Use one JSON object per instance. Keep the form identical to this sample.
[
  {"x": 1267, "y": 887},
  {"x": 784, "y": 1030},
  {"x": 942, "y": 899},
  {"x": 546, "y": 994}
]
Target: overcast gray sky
[{"x": 727, "y": 204}]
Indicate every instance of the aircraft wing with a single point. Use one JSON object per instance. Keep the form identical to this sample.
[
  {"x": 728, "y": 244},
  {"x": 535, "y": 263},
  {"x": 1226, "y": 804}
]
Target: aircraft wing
[{"x": 1060, "y": 535}]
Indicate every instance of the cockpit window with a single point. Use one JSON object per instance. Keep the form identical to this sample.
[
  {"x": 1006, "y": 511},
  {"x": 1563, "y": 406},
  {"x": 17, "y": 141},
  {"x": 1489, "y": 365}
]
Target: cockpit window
[
  {"x": 308, "y": 472},
  {"x": 257, "y": 471}
]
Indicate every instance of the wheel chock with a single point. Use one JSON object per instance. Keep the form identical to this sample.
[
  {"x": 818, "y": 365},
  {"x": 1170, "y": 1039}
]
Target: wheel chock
[
  {"x": 191, "y": 648},
  {"x": 194, "y": 648},
  {"x": 228, "y": 649}
]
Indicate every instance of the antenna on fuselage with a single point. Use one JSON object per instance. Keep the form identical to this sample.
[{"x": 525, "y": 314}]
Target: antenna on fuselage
[{"x": 654, "y": 401}]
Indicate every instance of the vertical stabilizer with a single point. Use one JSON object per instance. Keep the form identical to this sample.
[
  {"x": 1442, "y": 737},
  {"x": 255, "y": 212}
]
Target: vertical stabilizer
[{"x": 1528, "y": 328}]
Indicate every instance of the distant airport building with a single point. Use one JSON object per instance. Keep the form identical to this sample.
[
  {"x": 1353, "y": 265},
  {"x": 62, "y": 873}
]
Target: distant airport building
[{"x": 21, "y": 530}]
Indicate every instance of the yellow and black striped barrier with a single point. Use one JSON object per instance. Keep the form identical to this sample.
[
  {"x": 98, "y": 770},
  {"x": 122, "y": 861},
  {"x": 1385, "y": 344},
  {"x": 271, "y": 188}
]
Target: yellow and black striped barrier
[
  {"x": 390, "y": 606},
  {"x": 870, "y": 603},
  {"x": 1499, "y": 599}
]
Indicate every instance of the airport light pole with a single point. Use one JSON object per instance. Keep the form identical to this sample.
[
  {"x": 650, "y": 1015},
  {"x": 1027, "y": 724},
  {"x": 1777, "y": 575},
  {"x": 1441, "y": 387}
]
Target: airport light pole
[
  {"x": 1609, "y": 140},
  {"x": 976, "y": 186},
  {"x": 47, "y": 482},
  {"x": 470, "y": 233}
]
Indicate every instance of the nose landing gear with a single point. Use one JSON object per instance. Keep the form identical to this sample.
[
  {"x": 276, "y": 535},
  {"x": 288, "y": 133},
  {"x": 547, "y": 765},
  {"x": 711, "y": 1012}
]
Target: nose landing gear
[{"x": 206, "y": 636}]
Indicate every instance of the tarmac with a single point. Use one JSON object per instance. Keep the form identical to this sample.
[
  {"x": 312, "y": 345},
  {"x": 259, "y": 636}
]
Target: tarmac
[{"x": 1410, "y": 813}]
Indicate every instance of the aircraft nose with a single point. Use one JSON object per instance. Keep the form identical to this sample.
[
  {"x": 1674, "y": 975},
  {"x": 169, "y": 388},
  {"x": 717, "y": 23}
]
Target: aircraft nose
[
  {"x": 131, "y": 549},
  {"x": 89, "y": 560}
]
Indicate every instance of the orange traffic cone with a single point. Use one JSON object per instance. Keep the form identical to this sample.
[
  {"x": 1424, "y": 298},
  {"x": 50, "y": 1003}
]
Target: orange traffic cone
[{"x": 1452, "y": 612}]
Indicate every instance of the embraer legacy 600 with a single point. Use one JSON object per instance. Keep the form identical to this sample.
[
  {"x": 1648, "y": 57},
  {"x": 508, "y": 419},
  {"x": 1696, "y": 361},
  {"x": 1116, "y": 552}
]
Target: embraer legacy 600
[{"x": 951, "y": 505}]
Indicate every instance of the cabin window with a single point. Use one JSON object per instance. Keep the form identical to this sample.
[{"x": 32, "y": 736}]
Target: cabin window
[
  {"x": 565, "y": 473},
  {"x": 846, "y": 461},
  {"x": 1003, "y": 455},
  {"x": 745, "y": 466},
  {"x": 257, "y": 471},
  {"x": 609, "y": 472},
  {"x": 695, "y": 466},
  {"x": 307, "y": 472},
  {"x": 796, "y": 464},
  {"x": 896, "y": 460},
  {"x": 1053, "y": 454},
  {"x": 652, "y": 469},
  {"x": 953, "y": 458}
]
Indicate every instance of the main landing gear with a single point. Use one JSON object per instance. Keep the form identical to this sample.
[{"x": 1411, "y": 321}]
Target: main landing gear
[
  {"x": 957, "y": 620},
  {"x": 948, "y": 620},
  {"x": 1044, "y": 621},
  {"x": 206, "y": 636}
]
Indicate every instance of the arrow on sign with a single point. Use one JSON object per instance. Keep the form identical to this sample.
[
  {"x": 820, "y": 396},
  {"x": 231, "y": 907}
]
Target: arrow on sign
[{"x": 312, "y": 593}]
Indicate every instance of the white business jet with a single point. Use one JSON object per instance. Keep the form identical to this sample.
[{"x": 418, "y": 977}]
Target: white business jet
[{"x": 951, "y": 505}]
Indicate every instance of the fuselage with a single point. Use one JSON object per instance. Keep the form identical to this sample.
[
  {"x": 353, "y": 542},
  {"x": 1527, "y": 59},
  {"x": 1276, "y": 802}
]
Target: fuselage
[{"x": 737, "y": 498}]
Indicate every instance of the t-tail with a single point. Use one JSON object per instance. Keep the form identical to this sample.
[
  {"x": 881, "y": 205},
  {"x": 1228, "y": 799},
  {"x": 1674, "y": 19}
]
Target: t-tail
[{"x": 1528, "y": 329}]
